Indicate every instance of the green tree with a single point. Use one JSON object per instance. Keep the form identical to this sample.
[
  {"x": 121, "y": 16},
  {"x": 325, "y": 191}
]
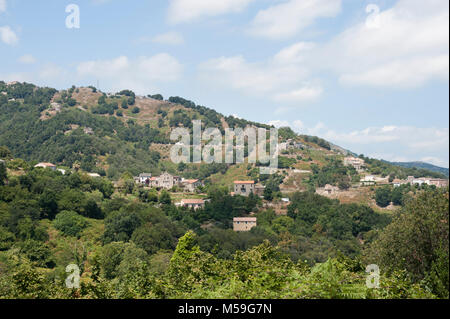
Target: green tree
[
  {"x": 417, "y": 241},
  {"x": 164, "y": 198},
  {"x": 70, "y": 223},
  {"x": 383, "y": 196},
  {"x": 5, "y": 152},
  {"x": 3, "y": 173}
]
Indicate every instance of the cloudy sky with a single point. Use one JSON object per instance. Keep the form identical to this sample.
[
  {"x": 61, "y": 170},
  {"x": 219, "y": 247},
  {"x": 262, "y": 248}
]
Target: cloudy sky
[{"x": 370, "y": 76}]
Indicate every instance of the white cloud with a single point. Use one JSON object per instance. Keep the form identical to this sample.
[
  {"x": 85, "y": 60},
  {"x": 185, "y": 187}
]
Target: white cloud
[
  {"x": 281, "y": 78},
  {"x": 306, "y": 93},
  {"x": 51, "y": 72},
  {"x": 401, "y": 73},
  {"x": 189, "y": 10},
  {"x": 400, "y": 143},
  {"x": 16, "y": 76},
  {"x": 27, "y": 59},
  {"x": 409, "y": 47},
  {"x": 2, "y": 6},
  {"x": 278, "y": 123},
  {"x": 141, "y": 74},
  {"x": 47, "y": 75},
  {"x": 171, "y": 38},
  {"x": 291, "y": 17},
  {"x": 8, "y": 36}
]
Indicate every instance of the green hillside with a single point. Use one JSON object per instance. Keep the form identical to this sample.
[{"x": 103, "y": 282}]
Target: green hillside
[
  {"x": 133, "y": 241},
  {"x": 129, "y": 133}
]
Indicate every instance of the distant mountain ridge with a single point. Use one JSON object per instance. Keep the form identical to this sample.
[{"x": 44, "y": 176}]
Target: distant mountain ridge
[{"x": 419, "y": 164}]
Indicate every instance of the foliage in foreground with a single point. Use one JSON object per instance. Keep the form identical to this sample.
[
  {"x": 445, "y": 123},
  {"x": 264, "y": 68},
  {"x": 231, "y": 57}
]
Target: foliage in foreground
[{"x": 261, "y": 272}]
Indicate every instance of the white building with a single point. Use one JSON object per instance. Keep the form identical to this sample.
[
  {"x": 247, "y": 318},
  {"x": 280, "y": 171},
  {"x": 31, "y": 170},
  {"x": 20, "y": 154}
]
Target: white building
[
  {"x": 46, "y": 165},
  {"x": 144, "y": 178},
  {"x": 368, "y": 180}
]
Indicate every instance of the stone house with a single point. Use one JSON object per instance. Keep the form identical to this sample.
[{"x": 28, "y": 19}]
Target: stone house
[
  {"x": 356, "y": 162},
  {"x": 438, "y": 182},
  {"x": 190, "y": 185},
  {"x": 244, "y": 223},
  {"x": 328, "y": 190},
  {"x": 193, "y": 203},
  {"x": 244, "y": 188},
  {"x": 168, "y": 181}
]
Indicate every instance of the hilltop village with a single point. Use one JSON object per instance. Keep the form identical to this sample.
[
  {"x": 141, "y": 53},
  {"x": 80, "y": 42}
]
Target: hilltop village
[{"x": 196, "y": 197}]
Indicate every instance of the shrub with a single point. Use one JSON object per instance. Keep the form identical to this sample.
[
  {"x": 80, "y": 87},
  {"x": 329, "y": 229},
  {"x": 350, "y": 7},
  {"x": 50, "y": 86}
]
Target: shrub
[{"x": 70, "y": 223}]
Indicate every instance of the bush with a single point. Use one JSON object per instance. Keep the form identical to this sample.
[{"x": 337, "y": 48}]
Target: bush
[
  {"x": 156, "y": 97},
  {"x": 135, "y": 110},
  {"x": 383, "y": 196},
  {"x": 70, "y": 223}
]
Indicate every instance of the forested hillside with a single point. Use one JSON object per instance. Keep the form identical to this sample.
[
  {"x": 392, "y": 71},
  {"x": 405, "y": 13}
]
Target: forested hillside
[
  {"x": 133, "y": 246},
  {"x": 129, "y": 133},
  {"x": 133, "y": 241}
]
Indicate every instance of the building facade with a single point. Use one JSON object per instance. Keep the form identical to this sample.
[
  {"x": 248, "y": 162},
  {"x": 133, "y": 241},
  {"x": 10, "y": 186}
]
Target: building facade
[
  {"x": 144, "y": 178},
  {"x": 356, "y": 162},
  {"x": 190, "y": 185},
  {"x": 193, "y": 203},
  {"x": 244, "y": 188},
  {"x": 168, "y": 181},
  {"x": 244, "y": 223}
]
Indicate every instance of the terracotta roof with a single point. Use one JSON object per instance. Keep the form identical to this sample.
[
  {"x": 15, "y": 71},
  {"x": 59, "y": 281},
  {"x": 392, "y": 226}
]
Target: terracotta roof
[
  {"x": 244, "y": 219},
  {"x": 192, "y": 201},
  {"x": 244, "y": 182}
]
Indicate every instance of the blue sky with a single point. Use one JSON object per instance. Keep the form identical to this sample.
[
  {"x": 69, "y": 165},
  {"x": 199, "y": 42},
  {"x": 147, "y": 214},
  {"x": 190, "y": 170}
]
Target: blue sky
[{"x": 370, "y": 76}]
